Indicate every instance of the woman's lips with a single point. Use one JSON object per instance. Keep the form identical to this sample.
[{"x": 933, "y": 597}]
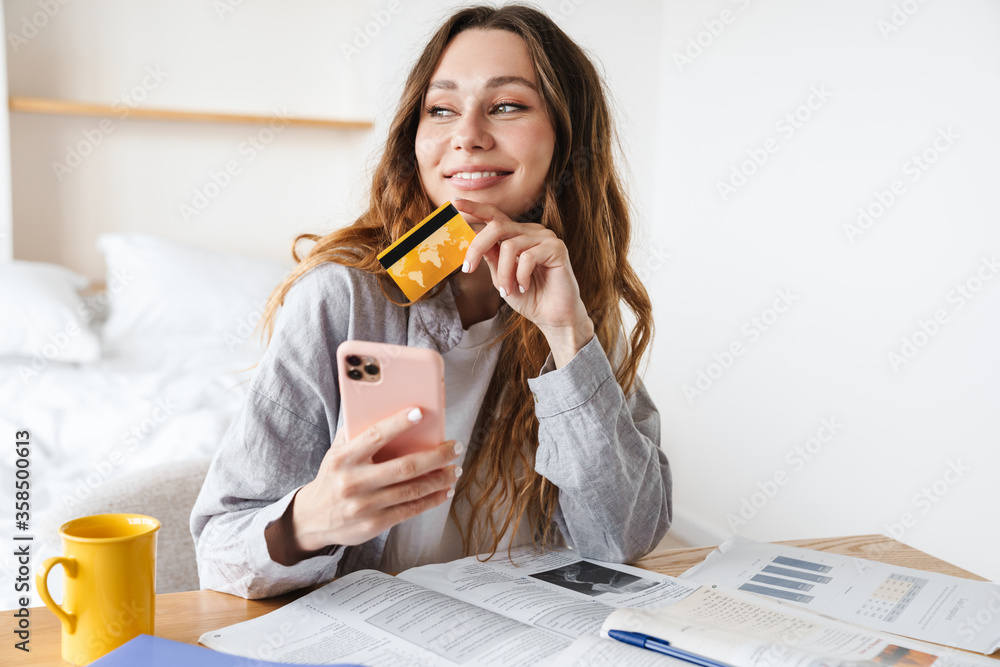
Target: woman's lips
[{"x": 475, "y": 183}]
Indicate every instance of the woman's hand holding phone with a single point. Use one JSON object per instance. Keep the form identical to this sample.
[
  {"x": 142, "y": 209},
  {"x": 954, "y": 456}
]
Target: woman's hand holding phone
[
  {"x": 387, "y": 462},
  {"x": 353, "y": 499}
]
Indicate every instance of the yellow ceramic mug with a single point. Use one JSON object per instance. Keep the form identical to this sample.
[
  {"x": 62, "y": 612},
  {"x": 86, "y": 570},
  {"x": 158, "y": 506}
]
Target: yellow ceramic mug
[{"x": 110, "y": 574}]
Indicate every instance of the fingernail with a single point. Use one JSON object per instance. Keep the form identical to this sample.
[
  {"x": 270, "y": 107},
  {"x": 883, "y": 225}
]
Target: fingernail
[
  {"x": 458, "y": 471},
  {"x": 459, "y": 448},
  {"x": 415, "y": 415},
  {"x": 458, "y": 199},
  {"x": 465, "y": 267},
  {"x": 503, "y": 292},
  {"x": 451, "y": 492},
  {"x": 521, "y": 287}
]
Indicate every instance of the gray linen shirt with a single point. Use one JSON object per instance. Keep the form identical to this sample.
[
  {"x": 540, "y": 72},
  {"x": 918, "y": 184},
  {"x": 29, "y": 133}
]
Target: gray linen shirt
[{"x": 598, "y": 447}]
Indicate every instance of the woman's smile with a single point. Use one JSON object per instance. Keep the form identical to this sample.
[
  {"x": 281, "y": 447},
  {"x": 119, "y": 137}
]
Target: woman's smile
[{"x": 472, "y": 178}]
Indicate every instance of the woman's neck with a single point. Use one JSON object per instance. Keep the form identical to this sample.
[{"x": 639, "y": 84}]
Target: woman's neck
[{"x": 476, "y": 297}]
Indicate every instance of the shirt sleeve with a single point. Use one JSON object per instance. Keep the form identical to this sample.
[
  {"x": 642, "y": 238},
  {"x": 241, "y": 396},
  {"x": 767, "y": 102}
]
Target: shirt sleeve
[
  {"x": 602, "y": 449},
  {"x": 272, "y": 448}
]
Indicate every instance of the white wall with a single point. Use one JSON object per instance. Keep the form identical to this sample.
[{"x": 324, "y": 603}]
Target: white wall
[
  {"x": 684, "y": 130},
  {"x": 899, "y": 430},
  {"x": 257, "y": 58}
]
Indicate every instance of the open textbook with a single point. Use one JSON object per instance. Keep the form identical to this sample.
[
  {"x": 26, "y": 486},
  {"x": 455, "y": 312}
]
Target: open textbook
[
  {"x": 501, "y": 612},
  {"x": 924, "y": 605},
  {"x": 550, "y": 607},
  {"x": 747, "y": 630}
]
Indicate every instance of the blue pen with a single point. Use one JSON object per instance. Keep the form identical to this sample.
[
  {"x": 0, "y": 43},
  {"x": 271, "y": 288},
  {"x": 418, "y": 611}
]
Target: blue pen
[{"x": 664, "y": 647}]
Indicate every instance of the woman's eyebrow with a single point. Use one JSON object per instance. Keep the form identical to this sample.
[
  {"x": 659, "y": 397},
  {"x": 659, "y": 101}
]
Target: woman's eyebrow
[{"x": 495, "y": 82}]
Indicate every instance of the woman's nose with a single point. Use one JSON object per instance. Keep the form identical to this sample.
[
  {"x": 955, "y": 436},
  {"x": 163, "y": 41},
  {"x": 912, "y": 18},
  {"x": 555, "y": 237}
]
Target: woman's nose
[{"x": 472, "y": 131}]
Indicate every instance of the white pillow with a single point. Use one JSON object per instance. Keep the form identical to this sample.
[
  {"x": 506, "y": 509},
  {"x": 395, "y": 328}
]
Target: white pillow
[
  {"x": 160, "y": 288},
  {"x": 43, "y": 316}
]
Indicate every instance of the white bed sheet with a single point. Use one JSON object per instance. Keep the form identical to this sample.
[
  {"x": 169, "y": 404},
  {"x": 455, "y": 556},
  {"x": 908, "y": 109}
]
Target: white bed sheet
[{"x": 143, "y": 404}]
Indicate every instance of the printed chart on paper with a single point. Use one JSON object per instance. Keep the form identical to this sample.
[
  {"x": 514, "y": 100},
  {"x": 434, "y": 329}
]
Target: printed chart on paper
[
  {"x": 924, "y": 605},
  {"x": 796, "y": 580},
  {"x": 892, "y": 597}
]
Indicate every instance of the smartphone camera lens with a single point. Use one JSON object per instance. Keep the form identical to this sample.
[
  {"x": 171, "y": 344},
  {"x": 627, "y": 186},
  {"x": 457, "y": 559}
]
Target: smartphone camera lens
[{"x": 362, "y": 368}]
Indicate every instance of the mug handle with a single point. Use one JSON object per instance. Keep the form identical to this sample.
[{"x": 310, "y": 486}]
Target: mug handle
[{"x": 41, "y": 582}]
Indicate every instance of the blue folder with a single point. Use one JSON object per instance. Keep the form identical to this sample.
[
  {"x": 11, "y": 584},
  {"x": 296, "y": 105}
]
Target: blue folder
[{"x": 150, "y": 651}]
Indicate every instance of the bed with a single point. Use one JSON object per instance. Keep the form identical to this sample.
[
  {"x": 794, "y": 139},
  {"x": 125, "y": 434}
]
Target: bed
[{"x": 148, "y": 369}]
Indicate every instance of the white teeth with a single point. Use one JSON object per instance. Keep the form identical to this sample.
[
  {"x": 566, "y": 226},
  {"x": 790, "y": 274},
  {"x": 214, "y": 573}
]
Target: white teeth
[{"x": 475, "y": 174}]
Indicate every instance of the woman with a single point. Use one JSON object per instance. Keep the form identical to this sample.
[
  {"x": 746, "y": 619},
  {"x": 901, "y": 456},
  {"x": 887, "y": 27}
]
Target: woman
[{"x": 504, "y": 115}]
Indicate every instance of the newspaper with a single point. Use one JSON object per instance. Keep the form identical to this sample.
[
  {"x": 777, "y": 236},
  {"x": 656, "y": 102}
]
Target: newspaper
[
  {"x": 500, "y": 612},
  {"x": 923, "y": 605},
  {"x": 752, "y": 631}
]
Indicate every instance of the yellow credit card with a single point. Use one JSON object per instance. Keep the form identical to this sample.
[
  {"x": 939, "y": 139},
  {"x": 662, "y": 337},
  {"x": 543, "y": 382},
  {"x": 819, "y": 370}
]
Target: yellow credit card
[{"x": 428, "y": 253}]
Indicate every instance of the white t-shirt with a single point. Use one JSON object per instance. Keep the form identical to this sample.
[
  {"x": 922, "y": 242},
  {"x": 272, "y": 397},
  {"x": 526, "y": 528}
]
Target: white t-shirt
[{"x": 432, "y": 537}]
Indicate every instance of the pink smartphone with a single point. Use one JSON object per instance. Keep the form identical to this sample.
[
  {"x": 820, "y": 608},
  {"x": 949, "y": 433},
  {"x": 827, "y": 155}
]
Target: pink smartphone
[{"x": 378, "y": 380}]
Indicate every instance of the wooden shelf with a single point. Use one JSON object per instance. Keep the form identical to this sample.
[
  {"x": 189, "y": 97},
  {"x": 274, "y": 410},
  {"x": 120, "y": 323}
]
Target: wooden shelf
[{"x": 68, "y": 108}]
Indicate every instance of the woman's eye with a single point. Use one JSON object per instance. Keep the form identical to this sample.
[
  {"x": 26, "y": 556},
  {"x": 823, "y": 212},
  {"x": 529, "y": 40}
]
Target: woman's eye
[
  {"x": 437, "y": 111},
  {"x": 501, "y": 108},
  {"x": 508, "y": 107}
]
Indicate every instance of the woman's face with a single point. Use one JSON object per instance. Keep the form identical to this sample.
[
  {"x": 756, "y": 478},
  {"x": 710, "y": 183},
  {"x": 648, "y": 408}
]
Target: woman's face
[{"x": 484, "y": 133}]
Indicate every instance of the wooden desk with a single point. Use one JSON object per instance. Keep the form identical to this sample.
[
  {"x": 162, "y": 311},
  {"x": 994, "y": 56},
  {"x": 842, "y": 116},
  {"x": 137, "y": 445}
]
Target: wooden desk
[{"x": 186, "y": 616}]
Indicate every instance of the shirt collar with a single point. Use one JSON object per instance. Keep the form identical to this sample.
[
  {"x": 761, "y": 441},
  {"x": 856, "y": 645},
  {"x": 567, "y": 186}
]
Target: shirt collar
[{"x": 435, "y": 322}]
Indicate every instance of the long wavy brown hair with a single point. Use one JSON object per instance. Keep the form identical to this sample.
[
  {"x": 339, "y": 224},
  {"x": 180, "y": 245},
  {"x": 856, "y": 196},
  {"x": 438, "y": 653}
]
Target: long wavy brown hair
[{"x": 583, "y": 203}]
